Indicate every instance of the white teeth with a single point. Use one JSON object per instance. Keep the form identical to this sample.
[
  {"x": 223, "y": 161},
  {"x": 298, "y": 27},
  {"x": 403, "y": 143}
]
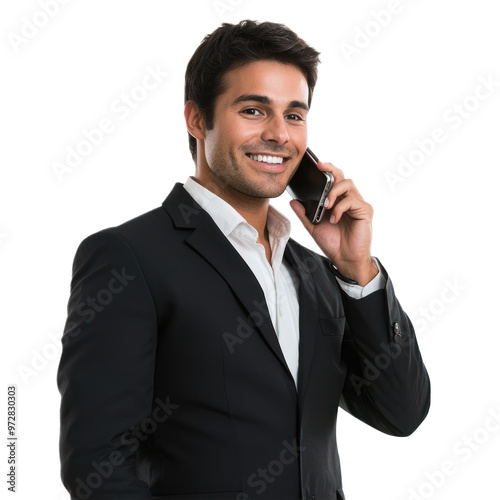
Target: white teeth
[{"x": 267, "y": 159}]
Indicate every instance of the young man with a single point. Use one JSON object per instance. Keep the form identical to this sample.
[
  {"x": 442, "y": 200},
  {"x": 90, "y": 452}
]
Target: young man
[{"x": 206, "y": 352}]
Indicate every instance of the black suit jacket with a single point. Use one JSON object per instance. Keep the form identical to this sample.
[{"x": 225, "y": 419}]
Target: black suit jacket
[{"x": 173, "y": 382}]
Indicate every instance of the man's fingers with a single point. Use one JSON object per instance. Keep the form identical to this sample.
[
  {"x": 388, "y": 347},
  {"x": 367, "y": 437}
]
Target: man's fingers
[
  {"x": 340, "y": 190},
  {"x": 356, "y": 208},
  {"x": 342, "y": 187},
  {"x": 329, "y": 167}
]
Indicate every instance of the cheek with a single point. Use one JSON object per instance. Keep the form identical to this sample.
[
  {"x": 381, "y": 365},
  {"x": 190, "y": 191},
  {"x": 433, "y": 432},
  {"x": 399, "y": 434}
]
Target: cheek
[
  {"x": 240, "y": 132},
  {"x": 226, "y": 134},
  {"x": 299, "y": 136}
]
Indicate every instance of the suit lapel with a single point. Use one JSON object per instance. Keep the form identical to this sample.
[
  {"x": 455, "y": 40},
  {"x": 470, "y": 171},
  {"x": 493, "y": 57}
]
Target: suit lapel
[{"x": 207, "y": 239}]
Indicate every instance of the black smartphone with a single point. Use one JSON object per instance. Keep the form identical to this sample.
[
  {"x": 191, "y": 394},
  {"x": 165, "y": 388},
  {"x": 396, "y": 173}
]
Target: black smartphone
[{"x": 310, "y": 186}]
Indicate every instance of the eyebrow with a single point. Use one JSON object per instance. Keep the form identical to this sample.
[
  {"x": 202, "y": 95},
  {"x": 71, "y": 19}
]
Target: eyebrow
[{"x": 265, "y": 100}]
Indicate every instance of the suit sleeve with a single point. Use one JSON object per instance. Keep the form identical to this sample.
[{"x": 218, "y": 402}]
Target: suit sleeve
[
  {"x": 387, "y": 385},
  {"x": 106, "y": 371}
]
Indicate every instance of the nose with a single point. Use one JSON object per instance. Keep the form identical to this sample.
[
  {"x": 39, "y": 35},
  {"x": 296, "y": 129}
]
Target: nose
[{"x": 276, "y": 130}]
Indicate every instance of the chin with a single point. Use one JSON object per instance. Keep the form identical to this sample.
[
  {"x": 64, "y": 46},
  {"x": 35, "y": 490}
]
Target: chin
[{"x": 272, "y": 192}]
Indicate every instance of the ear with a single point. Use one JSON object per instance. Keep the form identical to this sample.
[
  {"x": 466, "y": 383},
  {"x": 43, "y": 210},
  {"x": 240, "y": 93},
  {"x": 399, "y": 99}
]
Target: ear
[{"x": 195, "y": 121}]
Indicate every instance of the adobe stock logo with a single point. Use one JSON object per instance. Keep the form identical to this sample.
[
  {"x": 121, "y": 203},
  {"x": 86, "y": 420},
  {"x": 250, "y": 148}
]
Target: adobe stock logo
[
  {"x": 364, "y": 36},
  {"x": 85, "y": 312},
  {"x": 31, "y": 27},
  {"x": 453, "y": 119},
  {"x": 105, "y": 468},
  {"x": 222, "y": 7},
  {"x": 466, "y": 447},
  {"x": 121, "y": 107},
  {"x": 426, "y": 315},
  {"x": 264, "y": 476}
]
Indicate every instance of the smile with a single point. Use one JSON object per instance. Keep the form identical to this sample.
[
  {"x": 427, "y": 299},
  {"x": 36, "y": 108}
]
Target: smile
[{"x": 268, "y": 158}]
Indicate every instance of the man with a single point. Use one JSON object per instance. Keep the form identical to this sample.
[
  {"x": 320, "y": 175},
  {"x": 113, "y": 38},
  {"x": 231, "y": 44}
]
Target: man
[{"x": 206, "y": 353}]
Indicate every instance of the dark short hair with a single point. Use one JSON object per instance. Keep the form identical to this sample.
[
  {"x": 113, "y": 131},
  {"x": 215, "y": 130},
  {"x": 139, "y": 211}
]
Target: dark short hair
[{"x": 233, "y": 45}]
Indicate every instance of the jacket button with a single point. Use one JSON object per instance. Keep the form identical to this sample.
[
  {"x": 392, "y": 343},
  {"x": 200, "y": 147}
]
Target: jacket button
[{"x": 397, "y": 332}]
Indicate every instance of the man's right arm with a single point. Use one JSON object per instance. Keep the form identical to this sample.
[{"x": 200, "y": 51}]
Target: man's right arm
[{"x": 106, "y": 371}]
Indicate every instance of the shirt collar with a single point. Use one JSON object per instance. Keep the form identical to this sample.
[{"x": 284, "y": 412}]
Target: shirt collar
[{"x": 230, "y": 221}]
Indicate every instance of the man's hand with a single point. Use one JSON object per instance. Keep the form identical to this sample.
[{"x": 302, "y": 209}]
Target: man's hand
[{"x": 345, "y": 232}]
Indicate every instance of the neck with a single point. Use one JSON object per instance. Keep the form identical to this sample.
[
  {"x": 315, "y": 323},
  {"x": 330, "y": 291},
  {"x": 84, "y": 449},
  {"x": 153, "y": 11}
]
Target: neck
[{"x": 253, "y": 210}]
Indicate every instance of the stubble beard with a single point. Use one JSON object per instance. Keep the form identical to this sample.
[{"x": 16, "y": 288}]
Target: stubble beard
[{"x": 229, "y": 173}]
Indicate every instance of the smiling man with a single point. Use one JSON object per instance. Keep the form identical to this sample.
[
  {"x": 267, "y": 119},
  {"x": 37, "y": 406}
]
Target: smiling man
[
  {"x": 218, "y": 370},
  {"x": 258, "y": 136}
]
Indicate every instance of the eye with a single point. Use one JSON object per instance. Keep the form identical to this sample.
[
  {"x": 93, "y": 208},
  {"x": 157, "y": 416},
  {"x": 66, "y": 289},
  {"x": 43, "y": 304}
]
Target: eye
[
  {"x": 252, "y": 112},
  {"x": 295, "y": 117}
]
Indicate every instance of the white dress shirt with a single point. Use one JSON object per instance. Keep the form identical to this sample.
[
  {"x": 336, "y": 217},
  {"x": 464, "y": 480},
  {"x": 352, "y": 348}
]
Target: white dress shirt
[{"x": 278, "y": 281}]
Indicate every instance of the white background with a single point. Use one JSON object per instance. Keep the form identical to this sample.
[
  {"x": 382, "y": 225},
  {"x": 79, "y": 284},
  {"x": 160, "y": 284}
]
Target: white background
[{"x": 436, "y": 231}]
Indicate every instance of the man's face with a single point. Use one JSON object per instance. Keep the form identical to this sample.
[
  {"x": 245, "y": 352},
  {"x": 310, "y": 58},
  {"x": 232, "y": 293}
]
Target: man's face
[{"x": 259, "y": 129}]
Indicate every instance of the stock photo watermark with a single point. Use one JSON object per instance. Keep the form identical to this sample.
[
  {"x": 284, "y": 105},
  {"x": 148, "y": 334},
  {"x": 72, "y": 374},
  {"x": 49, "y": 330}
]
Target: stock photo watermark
[
  {"x": 87, "y": 309},
  {"x": 365, "y": 34},
  {"x": 246, "y": 327},
  {"x": 453, "y": 118},
  {"x": 12, "y": 454},
  {"x": 264, "y": 476},
  {"x": 223, "y": 7},
  {"x": 40, "y": 358},
  {"x": 131, "y": 438},
  {"x": 31, "y": 26},
  {"x": 464, "y": 448},
  {"x": 121, "y": 108},
  {"x": 389, "y": 352},
  {"x": 426, "y": 315}
]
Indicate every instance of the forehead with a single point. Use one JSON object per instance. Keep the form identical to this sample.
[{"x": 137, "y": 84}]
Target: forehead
[{"x": 280, "y": 82}]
